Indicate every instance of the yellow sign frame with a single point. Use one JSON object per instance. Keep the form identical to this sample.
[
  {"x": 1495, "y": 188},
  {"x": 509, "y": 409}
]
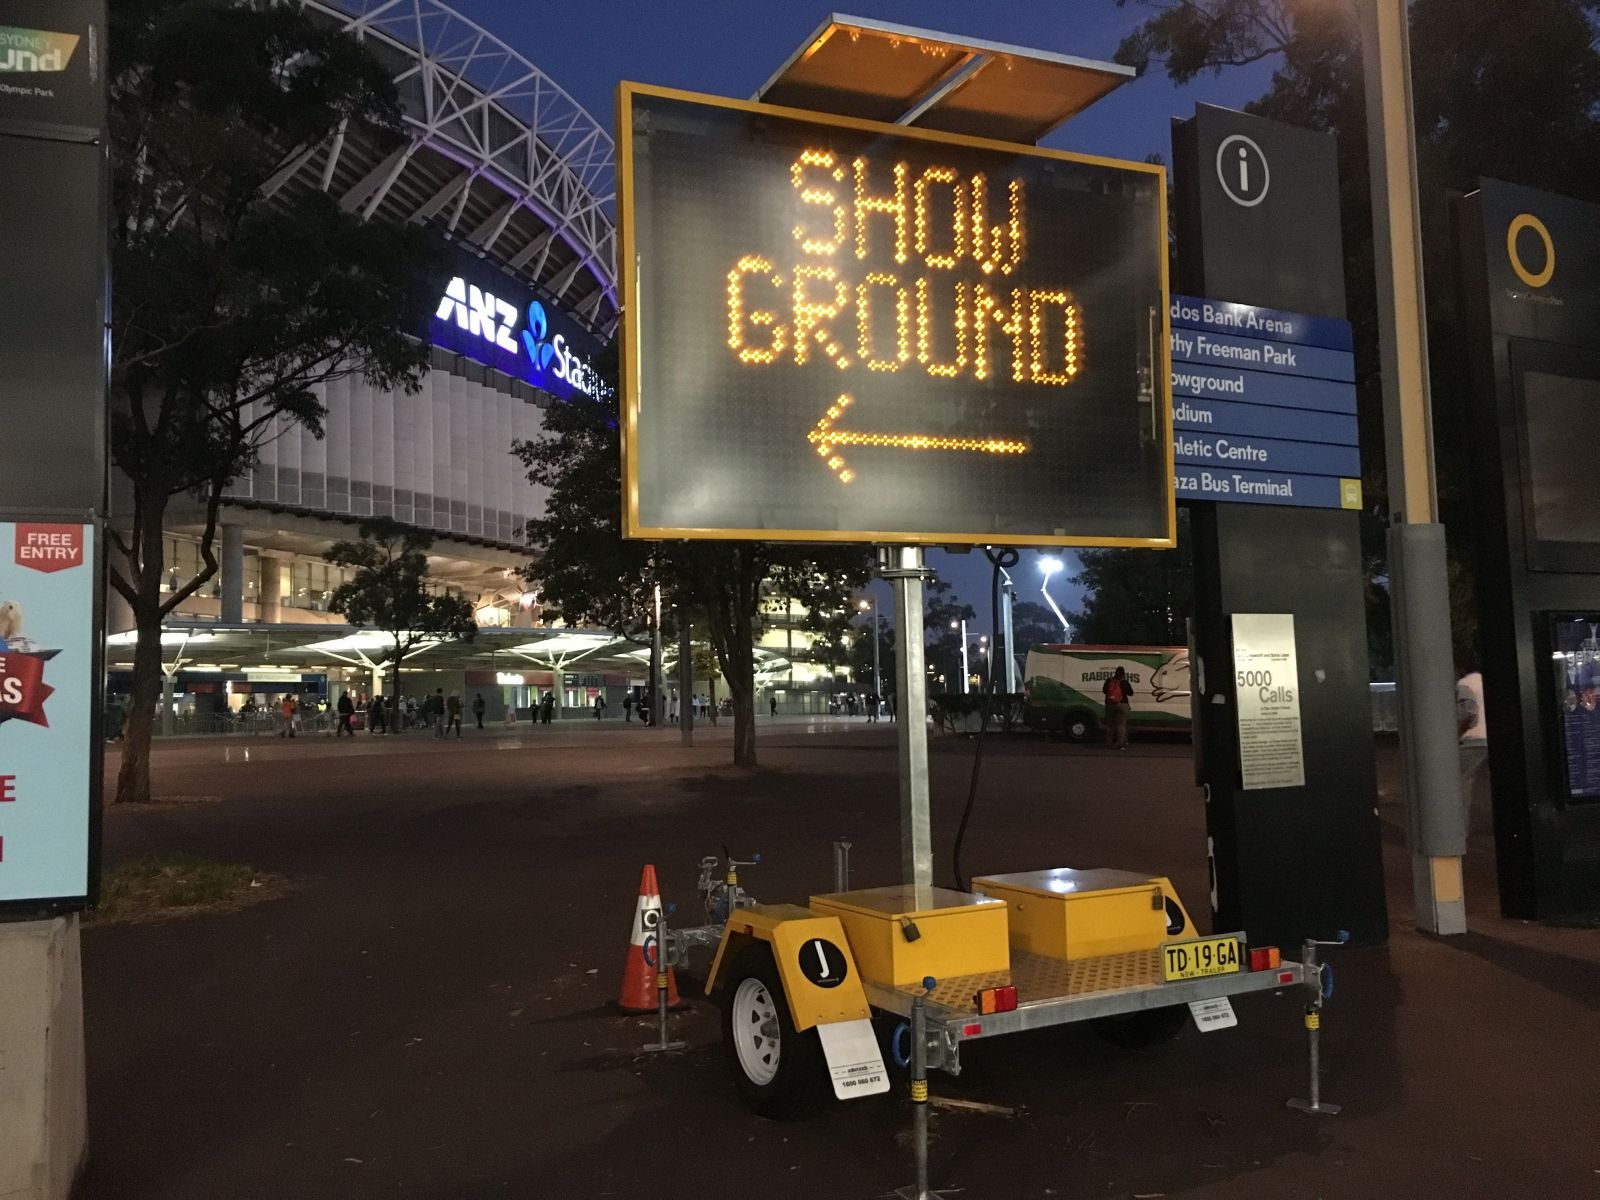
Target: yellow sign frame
[{"x": 628, "y": 279}]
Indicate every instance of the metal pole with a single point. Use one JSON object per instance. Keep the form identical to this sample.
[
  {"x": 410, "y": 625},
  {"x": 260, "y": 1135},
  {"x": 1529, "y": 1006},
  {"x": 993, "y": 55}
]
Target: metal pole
[
  {"x": 1313, "y": 1022},
  {"x": 966, "y": 671},
  {"x": 1419, "y": 588},
  {"x": 662, "y": 980},
  {"x": 1008, "y": 596},
  {"x": 685, "y": 678},
  {"x": 906, "y": 572},
  {"x": 919, "y": 1097},
  {"x": 877, "y": 639},
  {"x": 841, "y": 866},
  {"x": 654, "y": 689}
]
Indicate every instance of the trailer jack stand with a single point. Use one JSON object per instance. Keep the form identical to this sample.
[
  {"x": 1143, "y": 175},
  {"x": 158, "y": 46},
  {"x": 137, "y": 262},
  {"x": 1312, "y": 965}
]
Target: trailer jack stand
[
  {"x": 919, "y": 1100},
  {"x": 1319, "y": 978},
  {"x": 662, "y": 981}
]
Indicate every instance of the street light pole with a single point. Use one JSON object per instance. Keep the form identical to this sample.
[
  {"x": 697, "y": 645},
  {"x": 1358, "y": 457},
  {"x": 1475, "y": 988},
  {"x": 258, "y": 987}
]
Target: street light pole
[
  {"x": 1050, "y": 566},
  {"x": 877, "y": 639},
  {"x": 1419, "y": 582},
  {"x": 966, "y": 685},
  {"x": 1008, "y": 597}
]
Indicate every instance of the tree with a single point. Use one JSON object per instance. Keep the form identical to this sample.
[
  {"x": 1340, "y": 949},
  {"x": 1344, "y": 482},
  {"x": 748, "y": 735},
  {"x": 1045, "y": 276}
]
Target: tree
[
  {"x": 587, "y": 570},
  {"x": 861, "y": 660},
  {"x": 1503, "y": 89},
  {"x": 390, "y": 591},
  {"x": 942, "y": 614},
  {"x": 1136, "y": 597},
  {"x": 232, "y": 300}
]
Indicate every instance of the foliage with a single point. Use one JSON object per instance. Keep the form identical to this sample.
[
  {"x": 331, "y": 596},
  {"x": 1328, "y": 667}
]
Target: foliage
[
  {"x": 954, "y": 712},
  {"x": 586, "y": 571},
  {"x": 1505, "y": 90},
  {"x": 942, "y": 614},
  {"x": 390, "y": 590},
  {"x": 1136, "y": 597},
  {"x": 591, "y": 575},
  {"x": 233, "y": 300}
]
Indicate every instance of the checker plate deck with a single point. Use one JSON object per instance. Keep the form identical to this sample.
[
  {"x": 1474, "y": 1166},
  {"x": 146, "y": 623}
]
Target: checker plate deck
[{"x": 1037, "y": 977}]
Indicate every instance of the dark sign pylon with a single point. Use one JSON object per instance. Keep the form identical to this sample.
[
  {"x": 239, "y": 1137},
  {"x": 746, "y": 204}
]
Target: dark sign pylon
[
  {"x": 1291, "y": 786},
  {"x": 53, "y": 361}
]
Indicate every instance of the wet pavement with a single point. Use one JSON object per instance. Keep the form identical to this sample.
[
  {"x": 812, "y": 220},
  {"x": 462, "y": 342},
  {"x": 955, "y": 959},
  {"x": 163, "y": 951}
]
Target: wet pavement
[{"x": 429, "y": 1011}]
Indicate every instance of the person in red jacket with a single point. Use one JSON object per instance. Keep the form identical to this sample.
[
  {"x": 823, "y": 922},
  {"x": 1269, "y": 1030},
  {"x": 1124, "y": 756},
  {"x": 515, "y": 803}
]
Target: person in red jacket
[{"x": 1118, "y": 691}]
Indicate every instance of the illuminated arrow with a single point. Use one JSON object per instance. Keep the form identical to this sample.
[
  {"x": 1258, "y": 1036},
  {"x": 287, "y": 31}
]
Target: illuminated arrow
[{"x": 827, "y": 439}]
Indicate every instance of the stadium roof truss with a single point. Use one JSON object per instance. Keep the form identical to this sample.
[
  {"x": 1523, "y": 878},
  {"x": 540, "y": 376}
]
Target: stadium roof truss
[{"x": 498, "y": 156}]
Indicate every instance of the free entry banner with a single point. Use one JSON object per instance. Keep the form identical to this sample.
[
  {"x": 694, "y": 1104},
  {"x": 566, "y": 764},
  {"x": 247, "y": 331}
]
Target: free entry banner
[{"x": 47, "y": 698}]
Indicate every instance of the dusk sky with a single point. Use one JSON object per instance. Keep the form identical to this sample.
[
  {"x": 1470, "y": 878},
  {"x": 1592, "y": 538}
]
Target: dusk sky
[{"x": 730, "y": 48}]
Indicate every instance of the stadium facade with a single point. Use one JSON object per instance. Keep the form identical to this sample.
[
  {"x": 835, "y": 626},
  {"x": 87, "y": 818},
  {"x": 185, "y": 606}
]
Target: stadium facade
[{"x": 517, "y": 181}]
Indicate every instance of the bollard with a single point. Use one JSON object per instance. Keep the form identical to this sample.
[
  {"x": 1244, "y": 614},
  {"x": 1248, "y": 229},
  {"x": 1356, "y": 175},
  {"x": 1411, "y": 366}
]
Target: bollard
[
  {"x": 1313, "y": 1022},
  {"x": 841, "y": 866},
  {"x": 665, "y": 1042}
]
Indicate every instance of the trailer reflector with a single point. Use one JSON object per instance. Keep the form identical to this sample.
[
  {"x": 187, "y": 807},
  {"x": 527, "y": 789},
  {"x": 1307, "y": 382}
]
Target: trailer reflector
[
  {"x": 1265, "y": 958},
  {"x": 996, "y": 1000}
]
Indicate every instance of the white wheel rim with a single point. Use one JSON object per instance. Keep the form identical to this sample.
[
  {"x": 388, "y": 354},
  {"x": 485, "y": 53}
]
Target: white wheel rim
[{"x": 755, "y": 1031}]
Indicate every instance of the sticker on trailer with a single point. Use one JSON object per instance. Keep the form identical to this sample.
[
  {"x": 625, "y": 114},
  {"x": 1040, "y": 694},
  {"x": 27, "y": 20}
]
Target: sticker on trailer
[
  {"x": 823, "y": 963},
  {"x": 1211, "y": 1015},
  {"x": 854, "y": 1060}
]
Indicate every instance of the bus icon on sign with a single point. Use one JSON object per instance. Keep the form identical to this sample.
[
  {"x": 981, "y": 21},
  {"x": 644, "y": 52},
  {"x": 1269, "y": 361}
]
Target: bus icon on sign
[{"x": 1242, "y": 171}]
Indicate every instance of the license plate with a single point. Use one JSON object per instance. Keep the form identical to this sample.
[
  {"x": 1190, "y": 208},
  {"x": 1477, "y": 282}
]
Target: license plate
[{"x": 1197, "y": 959}]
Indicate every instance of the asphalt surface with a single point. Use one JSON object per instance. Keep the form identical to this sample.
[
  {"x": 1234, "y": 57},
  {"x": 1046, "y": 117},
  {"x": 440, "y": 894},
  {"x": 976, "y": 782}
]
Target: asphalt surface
[{"x": 429, "y": 1010}]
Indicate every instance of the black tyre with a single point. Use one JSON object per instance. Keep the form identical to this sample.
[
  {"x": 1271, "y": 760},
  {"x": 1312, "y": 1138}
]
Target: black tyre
[
  {"x": 1080, "y": 726},
  {"x": 1135, "y": 1031},
  {"x": 780, "y": 1072}
]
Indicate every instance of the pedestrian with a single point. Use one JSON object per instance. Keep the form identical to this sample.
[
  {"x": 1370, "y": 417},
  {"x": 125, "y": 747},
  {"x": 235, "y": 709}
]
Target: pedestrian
[
  {"x": 436, "y": 713},
  {"x": 478, "y": 707},
  {"x": 286, "y": 709},
  {"x": 772, "y": 703},
  {"x": 377, "y": 714},
  {"x": 347, "y": 715},
  {"x": 411, "y": 712},
  {"x": 453, "y": 715},
  {"x": 627, "y": 706},
  {"x": 872, "y": 706},
  {"x": 1473, "y": 733},
  {"x": 599, "y": 706},
  {"x": 547, "y": 708},
  {"x": 1118, "y": 692}
]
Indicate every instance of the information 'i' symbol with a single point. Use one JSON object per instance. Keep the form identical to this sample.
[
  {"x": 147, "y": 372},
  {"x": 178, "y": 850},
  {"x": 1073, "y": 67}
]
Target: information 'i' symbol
[{"x": 1242, "y": 171}]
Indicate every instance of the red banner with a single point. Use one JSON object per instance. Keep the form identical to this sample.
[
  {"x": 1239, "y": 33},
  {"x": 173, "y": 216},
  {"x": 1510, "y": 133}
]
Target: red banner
[
  {"x": 49, "y": 547},
  {"x": 23, "y": 690}
]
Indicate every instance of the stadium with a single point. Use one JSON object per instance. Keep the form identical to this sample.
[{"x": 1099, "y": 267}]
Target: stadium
[{"x": 517, "y": 181}]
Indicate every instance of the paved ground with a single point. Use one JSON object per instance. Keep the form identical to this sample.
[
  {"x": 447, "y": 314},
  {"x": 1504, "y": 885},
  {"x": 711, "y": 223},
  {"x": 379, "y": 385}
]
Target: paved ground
[{"x": 428, "y": 1012}]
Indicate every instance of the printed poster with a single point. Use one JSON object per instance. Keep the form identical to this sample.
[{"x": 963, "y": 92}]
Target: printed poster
[
  {"x": 47, "y": 698},
  {"x": 1267, "y": 690}
]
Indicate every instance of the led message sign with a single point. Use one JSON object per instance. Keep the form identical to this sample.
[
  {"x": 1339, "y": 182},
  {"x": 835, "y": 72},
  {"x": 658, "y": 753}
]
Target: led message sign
[{"x": 839, "y": 330}]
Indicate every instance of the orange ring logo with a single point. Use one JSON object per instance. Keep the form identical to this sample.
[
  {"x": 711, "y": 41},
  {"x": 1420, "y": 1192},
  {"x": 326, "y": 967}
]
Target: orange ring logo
[{"x": 1518, "y": 224}]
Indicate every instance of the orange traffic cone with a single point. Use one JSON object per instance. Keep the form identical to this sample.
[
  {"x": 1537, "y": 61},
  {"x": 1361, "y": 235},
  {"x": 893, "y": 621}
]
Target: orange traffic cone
[{"x": 639, "y": 982}]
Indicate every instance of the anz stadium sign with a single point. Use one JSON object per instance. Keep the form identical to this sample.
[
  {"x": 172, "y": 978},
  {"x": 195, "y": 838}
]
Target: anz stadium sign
[{"x": 490, "y": 319}]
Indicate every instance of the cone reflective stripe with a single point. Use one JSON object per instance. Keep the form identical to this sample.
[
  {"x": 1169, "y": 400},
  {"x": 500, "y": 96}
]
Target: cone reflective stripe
[{"x": 639, "y": 975}]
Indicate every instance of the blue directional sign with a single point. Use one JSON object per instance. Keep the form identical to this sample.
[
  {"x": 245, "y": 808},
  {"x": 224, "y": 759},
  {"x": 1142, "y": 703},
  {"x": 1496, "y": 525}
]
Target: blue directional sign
[
  {"x": 1250, "y": 321},
  {"x": 1263, "y": 406}
]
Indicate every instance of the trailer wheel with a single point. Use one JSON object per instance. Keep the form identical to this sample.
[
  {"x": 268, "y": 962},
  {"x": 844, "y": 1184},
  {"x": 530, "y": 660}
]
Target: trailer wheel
[
  {"x": 1135, "y": 1031},
  {"x": 1079, "y": 726},
  {"x": 779, "y": 1071}
]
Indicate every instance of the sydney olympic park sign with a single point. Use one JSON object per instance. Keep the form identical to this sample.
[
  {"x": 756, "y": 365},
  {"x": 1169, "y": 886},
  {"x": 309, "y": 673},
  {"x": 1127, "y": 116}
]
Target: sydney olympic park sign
[{"x": 490, "y": 318}]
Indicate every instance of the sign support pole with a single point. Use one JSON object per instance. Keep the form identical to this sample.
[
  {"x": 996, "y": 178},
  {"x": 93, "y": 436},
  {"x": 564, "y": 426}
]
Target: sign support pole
[
  {"x": 1419, "y": 592},
  {"x": 903, "y": 567}
]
